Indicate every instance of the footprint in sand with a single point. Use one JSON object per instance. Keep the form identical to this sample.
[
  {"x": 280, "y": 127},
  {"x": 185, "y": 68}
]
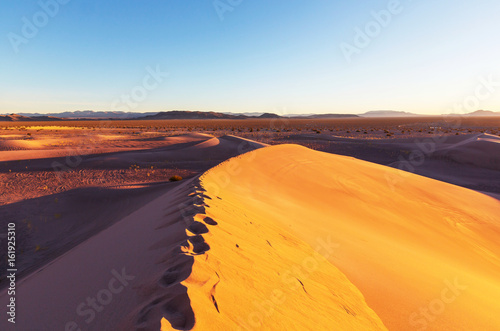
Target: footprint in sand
[
  {"x": 193, "y": 210},
  {"x": 199, "y": 244},
  {"x": 210, "y": 221},
  {"x": 197, "y": 228}
]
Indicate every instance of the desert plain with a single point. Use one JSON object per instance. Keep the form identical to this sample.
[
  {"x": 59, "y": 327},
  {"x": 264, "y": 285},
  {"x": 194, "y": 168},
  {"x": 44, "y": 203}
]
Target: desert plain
[{"x": 257, "y": 224}]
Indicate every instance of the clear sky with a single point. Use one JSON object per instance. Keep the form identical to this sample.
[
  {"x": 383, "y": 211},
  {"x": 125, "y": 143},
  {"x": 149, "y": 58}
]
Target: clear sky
[{"x": 288, "y": 56}]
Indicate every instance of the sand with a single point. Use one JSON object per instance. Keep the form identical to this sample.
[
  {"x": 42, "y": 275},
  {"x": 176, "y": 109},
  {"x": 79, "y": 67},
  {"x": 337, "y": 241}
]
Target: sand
[
  {"x": 277, "y": 237},
  {"x": 99, "y": 162},
  {"x": 401, "y": 246},
  {"x": 178, "y": 264}
]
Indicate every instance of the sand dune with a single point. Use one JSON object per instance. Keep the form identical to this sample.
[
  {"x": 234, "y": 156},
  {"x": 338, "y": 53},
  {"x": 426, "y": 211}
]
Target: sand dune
[
  {"x": 49, "y": 145},
  {"x": 180, "y": 151},
  {"x": 182, "y": 267},
  {"x": 402, "y": 248},
  {"x": 181, "y": 148},
  {"x": 49, "y": 226},
  {"x": 282, "y": 238},
  {"x": 31, "y": 173},
  {"x": 481, "y": 150},
  {"x": 470, "y": 160},
  {"x": 115, "y": 261},
  {"x": 20, "y": 144},
  {"x": 258, "y": 275}
]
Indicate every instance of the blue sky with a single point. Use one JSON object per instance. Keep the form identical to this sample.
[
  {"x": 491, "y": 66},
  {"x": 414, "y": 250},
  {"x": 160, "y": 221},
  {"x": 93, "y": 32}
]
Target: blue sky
[{"x": 253, "y": 56}]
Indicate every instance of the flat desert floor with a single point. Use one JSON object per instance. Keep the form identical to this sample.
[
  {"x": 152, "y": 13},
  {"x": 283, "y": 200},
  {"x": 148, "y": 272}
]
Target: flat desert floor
[{"x": 277, "y": 224}]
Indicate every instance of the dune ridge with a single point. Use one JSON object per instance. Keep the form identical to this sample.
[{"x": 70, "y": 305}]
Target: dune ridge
[
  {"x": 402, "y": 246},
  {"x": 282, "y": 237},
  {"x": 189, "y": 260},
  {"x": 249, "y": 274},
  {"x": 235, "y": 272}
]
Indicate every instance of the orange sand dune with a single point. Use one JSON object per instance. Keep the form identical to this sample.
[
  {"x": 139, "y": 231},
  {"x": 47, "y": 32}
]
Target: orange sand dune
[
  {"x": 280, "y": 238},
  {"x": 425, "y": 254},
  {"x": 175, "y": 264},
  {"x": 260, "y": 276},
  {"x": 18, "y": 147}
]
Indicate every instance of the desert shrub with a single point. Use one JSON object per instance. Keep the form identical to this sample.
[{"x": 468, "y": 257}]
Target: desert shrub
[{"x": 175, "y": 178}]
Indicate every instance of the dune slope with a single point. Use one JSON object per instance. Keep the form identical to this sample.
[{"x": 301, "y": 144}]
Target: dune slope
[
  {"x": 253, "y": 274},
  {"x": 189, "y": 260},
  {"x": 281, "y": 238},
  {"x": 424, "y": 253},
  {"x": 481, "y": 150}
]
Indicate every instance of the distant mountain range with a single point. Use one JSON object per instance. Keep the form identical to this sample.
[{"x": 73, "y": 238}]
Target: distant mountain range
[
  {"x": 22, "y": 118},
  {"x": 394, "y": 113},
  {"x": 387, "y": 113},
  {"x": 192, "y": 115},
  {"x": 167, "y": 115},
  {"x": 198, "y": 115},
  {"x": 485, "y": 113},
  {"x": 324, "y": 116},
  {"x": 90, "y": 114}
]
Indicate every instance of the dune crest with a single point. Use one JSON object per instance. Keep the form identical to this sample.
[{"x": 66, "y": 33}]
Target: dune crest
[
  {"x": 423, "y": 253},
  {"x": 249, "y": 273},
  {"x": 282, "y": 237}
]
